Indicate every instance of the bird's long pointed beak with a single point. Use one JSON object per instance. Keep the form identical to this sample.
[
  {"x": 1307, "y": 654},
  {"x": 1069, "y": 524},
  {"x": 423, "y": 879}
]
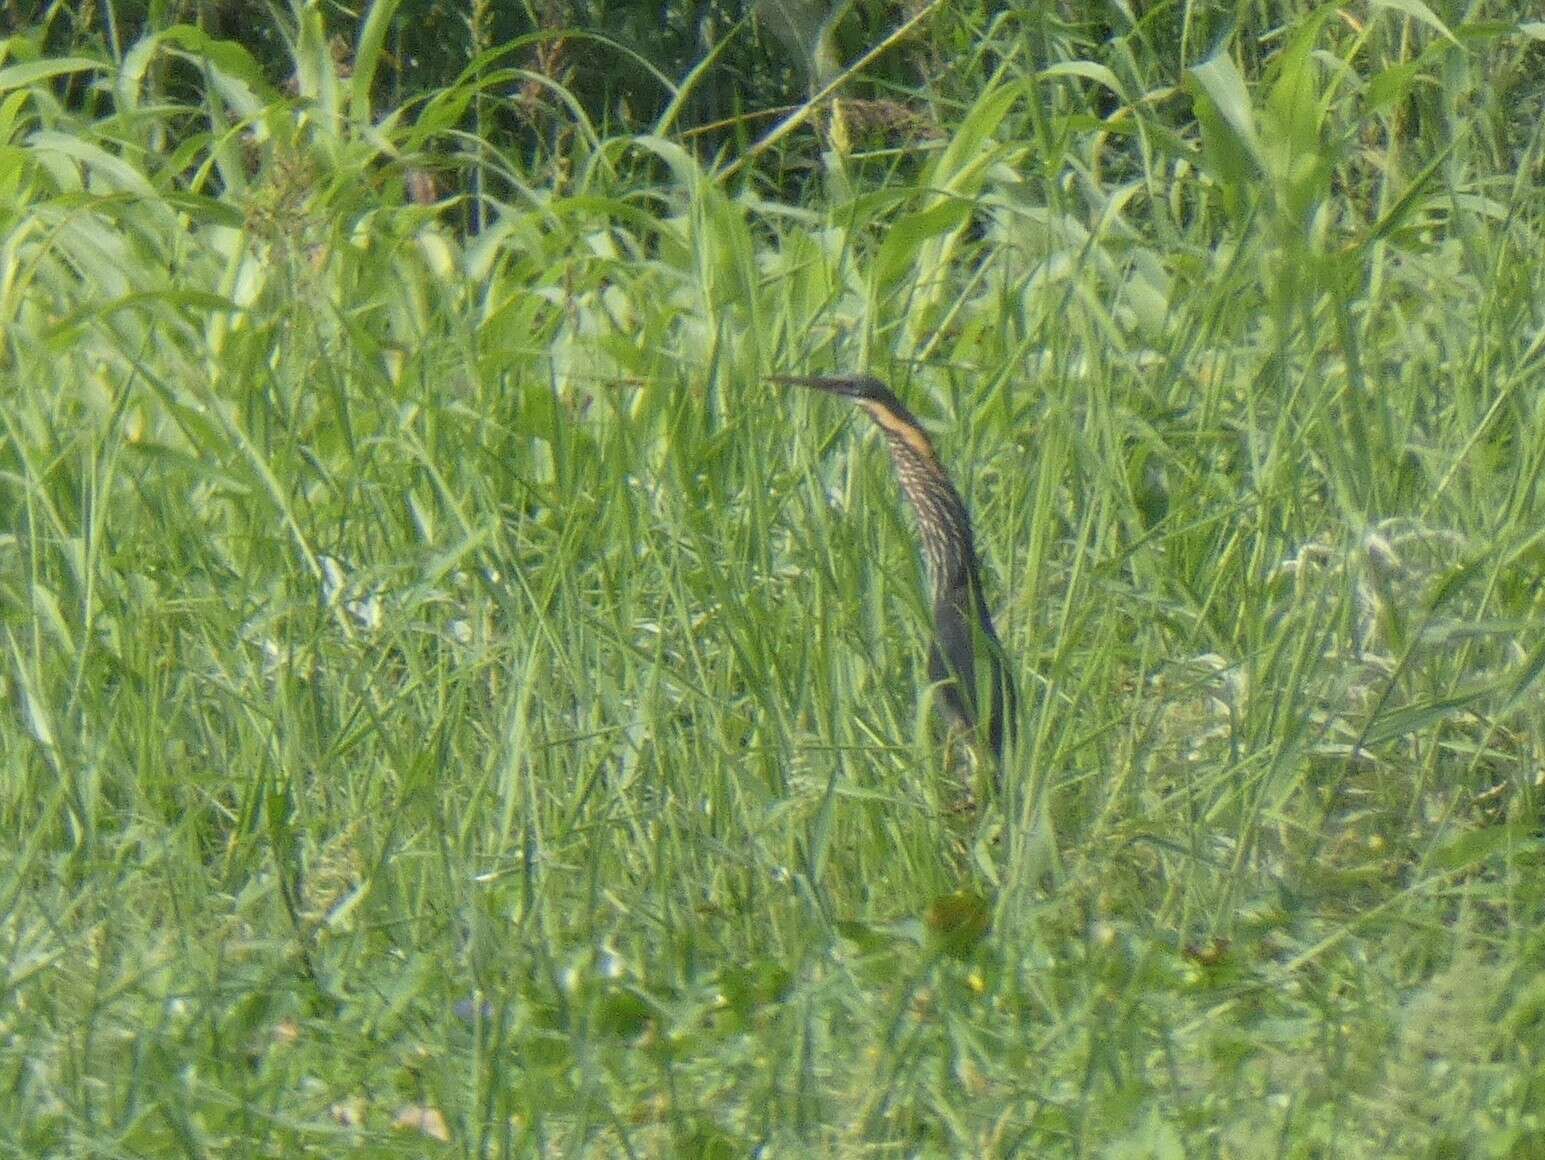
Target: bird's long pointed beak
[
  {"x": 835, "y": 384},
  {"x": 847, "y": 386}
]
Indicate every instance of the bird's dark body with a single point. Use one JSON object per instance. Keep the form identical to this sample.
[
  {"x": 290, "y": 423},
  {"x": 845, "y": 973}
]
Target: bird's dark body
[{"x": 966, "y": 657}]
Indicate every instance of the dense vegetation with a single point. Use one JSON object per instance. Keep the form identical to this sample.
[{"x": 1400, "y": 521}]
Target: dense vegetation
[{"x": 452, "y": 703}]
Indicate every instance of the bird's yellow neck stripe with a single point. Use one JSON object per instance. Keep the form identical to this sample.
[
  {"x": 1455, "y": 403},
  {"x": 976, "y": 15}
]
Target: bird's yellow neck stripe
[{"x": 910, "y": 434}]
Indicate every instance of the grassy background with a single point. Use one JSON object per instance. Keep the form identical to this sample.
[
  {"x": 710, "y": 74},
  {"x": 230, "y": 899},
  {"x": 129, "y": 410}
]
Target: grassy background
[{"x": 393, "y": 618}]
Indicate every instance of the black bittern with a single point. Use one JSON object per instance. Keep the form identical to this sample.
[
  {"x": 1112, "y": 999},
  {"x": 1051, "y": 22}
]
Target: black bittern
[{"x": 966, "y": 658}]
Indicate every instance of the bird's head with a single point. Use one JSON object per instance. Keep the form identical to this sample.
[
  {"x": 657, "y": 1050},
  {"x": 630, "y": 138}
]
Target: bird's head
[
  {"x": 875, "y": 397},
  {"x": 859, "y": 388}
]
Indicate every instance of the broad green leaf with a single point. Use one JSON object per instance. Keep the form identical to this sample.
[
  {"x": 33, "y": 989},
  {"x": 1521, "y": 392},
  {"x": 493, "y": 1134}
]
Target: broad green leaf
[
  {"x": 1419, "y": 12},
  {"x": 1476, "y": 846},
  {"x": 1088, "y": 70},
  {"x": 1389, "y": 86},
  {"x": 959, "y": 167},
  {"x": 1408, "y": 719},
  {"x": 108, "y": 168},
  {"x": 899, "y": 250},
  {"x": 1220, "y": 79},
  {"x": 368, "y": 50},
  {"x": 31, "y": 72},
  {"x": 236, "y": 72},
  {"x": 1413, "y": 196}
]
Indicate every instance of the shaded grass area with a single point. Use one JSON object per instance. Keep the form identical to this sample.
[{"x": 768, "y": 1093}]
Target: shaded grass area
[{"x": 450, "y": 696}]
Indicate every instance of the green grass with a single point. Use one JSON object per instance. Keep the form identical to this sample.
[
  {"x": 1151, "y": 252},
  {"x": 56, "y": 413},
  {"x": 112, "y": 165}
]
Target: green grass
[{"x": 391, "y": 617}]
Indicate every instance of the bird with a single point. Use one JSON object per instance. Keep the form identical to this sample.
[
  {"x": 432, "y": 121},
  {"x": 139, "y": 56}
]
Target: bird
[{"x": 966, "y": 658}]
